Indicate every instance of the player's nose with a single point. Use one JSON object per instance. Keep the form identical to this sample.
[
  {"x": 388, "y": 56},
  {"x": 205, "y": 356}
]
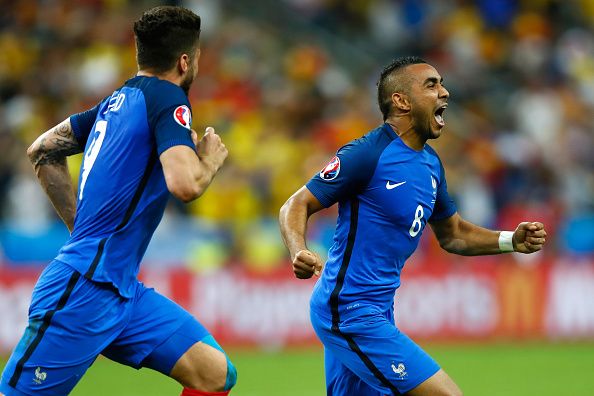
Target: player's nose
[{"x": 443, "y": 92}]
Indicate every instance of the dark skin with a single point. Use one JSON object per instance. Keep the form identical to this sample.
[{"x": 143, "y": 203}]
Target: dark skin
[
  {"x": 413, "y": 119},
  {"x": 413, "y": 111},
  {"x": 415, "y": 116}
]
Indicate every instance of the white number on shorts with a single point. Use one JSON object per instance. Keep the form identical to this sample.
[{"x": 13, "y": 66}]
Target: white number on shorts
[
  {"x": 91, "y": 154},
  {"x": 416, "y": 225}
]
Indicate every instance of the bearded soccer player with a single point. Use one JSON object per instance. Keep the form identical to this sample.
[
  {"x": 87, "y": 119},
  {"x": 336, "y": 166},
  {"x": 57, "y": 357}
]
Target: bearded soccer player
[
  {"x": 389, "y": 184},
  {"x": 138, "y": 148}
]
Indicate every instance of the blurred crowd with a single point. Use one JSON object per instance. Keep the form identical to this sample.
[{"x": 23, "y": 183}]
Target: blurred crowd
[{"x": 288, "y": 82}]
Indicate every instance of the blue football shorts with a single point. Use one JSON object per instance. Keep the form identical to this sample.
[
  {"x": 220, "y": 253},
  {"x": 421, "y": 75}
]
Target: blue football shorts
[
  {"x": 367, "y": 355},
  {"x": 72, "y": 320}
]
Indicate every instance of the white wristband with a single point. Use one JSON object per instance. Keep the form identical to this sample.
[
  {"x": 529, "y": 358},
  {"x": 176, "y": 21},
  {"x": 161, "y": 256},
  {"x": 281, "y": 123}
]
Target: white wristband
[{"x": 506, "y": 243}]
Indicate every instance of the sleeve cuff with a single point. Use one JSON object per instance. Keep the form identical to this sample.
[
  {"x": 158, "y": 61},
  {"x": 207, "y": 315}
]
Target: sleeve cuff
[
  {"x": 76, "y": 131},
  {"x": 174, "y": 142},
  {"x": 443, "y": 216},
  {"x": 319, "y": 195}
]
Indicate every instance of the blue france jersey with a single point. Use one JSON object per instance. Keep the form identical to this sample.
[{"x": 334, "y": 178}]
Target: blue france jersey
[
  {"x": 122, "y": 192},
  {"x": 386, "y": 193}
]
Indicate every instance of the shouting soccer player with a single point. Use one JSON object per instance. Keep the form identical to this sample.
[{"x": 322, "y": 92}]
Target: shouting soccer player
[
  {"x": 389, "y": 184},
  {"x": 138, "y": 148}
]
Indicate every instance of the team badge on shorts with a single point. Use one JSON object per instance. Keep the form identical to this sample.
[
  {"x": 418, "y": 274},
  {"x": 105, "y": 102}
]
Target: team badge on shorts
[
  {"x": 40, "y": 376},
  {"x": 399, "y": 370},
  {"x": 331, "y": 170},
  {"x": 182, "y": 116}
]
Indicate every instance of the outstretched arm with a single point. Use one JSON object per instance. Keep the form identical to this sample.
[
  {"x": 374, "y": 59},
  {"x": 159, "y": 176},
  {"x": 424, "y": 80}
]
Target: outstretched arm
[
  {"x": 48, "y": 155},
  {"x": 293, "y": 225},
  {"x": 459, "y": 236}
]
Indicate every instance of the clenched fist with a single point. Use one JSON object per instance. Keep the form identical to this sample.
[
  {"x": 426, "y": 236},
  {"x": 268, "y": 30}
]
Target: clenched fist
[
  {"x": 529, "y": 237},
  {"x": 210, "y": 149},
  {"x": 306, "y": 264}
]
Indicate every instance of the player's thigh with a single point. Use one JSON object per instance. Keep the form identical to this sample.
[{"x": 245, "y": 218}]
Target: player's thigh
[
  {"x": 369, "y": 345},
  {"x": 164, "y": 337},
  {"x": 71, "y": 319},
  {"x": 154, "y": 319},
  {"x": 440, "y": 384}
]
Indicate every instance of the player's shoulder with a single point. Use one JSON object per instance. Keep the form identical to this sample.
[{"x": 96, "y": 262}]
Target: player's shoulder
[
  {"x": 370, "y": 145},
  {"x": 435, "y": 160},
  {"x": 158, "y": 91},
  {"x": 430, "y": 150}
]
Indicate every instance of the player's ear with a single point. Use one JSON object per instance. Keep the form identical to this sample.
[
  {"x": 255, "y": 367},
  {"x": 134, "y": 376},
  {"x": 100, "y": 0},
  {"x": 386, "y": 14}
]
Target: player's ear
[
  {"x": 183, "y": 63},
  {"x": 401, "y": 101}
]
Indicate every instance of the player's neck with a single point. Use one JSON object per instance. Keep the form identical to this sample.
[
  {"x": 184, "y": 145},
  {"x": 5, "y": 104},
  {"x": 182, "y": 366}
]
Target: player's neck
[
  {"x": 167, "y": 76},
  {"x": 406, "y": 133}
]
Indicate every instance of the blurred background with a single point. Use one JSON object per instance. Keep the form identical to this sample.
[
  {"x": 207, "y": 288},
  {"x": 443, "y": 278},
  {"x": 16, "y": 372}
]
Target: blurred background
[{"x": 286, "y": 83}]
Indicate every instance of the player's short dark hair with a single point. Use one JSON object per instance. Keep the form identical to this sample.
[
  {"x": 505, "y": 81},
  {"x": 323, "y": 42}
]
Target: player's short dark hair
[
  {"x": 388, "y": 84},
  {"x": 163, "y": 34}
]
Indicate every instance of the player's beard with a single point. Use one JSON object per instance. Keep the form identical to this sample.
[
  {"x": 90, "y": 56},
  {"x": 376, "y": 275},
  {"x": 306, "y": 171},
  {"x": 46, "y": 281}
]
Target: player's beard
[
  {"x": 188, "y": 80},
  {"x": 423, "y": 123}
]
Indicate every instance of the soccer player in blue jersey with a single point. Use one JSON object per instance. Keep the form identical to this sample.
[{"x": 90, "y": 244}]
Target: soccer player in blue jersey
[
  {"x": 389, "y": 184},
  {"x": 138, "y": 149}
]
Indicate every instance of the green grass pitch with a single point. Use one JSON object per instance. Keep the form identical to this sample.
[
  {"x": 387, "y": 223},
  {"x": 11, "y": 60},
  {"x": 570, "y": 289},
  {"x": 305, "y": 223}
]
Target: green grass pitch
[{"x": 487, "y": 370}]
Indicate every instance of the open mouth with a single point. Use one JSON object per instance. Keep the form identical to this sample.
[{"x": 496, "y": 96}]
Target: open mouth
[{"x": 439, "y": 115}]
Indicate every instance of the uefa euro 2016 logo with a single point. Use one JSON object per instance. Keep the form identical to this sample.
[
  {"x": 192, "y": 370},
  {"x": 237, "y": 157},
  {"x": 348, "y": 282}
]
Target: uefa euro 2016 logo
[
  {"x": 331, "y": 170},
  {"x": 182, "y": 116}
]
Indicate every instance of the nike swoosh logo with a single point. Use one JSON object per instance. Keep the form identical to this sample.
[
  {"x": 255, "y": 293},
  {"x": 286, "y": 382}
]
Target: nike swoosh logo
[{"x": 391, "y": 186}]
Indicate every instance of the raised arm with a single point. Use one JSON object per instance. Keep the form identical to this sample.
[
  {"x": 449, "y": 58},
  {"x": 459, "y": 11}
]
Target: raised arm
[
  {"x": 48, "y": 155},
  {"x": 293, "y": 225},
  {"x": 189, "y": 172},
  {"x": 459, "y": 236}
]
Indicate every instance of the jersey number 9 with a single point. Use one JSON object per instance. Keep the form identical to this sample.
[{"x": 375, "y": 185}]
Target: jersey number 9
[{"x": 91, "y": 154}]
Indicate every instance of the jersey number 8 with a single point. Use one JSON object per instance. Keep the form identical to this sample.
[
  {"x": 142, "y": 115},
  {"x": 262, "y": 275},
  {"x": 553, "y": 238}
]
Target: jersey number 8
[{"x": 416, "y": 225}]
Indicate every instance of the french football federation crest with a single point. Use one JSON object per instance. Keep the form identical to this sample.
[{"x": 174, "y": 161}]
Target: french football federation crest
[
  {"x": 331, "y": 170},
  {"x": 40, "y": 376},
  {"x": 400, "y": 370},
  {"x": 182, "y": 116}
]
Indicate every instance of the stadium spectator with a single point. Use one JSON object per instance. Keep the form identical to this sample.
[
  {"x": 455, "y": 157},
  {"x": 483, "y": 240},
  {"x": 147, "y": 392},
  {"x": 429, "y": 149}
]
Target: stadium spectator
[{"x": 517, "y": 71}]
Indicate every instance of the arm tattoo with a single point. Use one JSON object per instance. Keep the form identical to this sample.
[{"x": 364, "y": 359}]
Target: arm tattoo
[
  {"x": 48, "y": 155},
  {"x": 55, "y": 145}
]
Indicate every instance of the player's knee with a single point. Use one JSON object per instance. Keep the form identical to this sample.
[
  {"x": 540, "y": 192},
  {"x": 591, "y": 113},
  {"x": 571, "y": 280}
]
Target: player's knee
[
  {"x": 222, "y": 375},
  {"x": 216, "y": 379},
  {"x": 226, "y": 373}
]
